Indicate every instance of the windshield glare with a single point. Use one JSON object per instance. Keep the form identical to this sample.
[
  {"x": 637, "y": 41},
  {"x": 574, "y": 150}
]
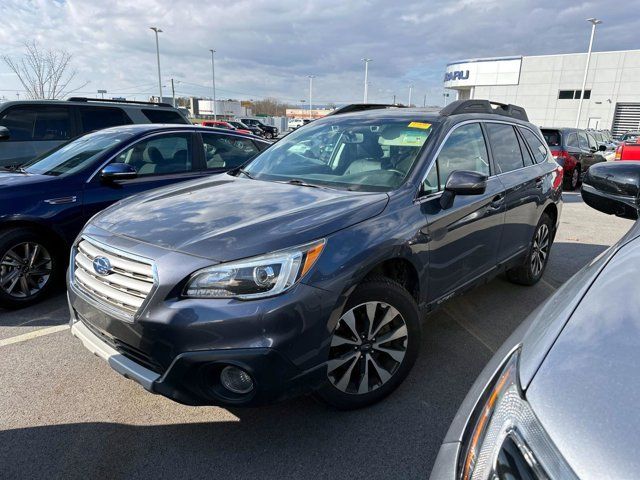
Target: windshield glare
[
  {"x": 77, "y": 154},
  {"x": 346, "y": 153}
]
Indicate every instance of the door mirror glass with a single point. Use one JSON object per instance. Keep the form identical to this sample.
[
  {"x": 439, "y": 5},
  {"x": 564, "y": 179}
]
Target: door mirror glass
[
  {"x": 118, "y": 171},
  {"x": 613, "y": 188},
  {"x": 5, "y": 134},
  {"x": 463, "y": 182}
]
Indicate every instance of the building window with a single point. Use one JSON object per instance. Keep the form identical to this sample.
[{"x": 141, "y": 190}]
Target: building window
[{"x": 573, "y": 94}]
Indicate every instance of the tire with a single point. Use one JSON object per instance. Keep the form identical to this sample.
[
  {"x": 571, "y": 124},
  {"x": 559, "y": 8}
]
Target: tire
[
  {"x": 573, "y": 182},
  {"x": 531, "y": 271},
  {"x": 22, "y": 284},
  {"x": 268, "y": 135},
  {"x": 383, "y": 364}
]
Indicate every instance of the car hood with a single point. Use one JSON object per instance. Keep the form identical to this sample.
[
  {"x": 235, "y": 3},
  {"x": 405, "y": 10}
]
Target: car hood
[
  {"x": 225, "y": 218},
  {"x": 10, "y": 179},
  {"x": 585, "y": 391}
]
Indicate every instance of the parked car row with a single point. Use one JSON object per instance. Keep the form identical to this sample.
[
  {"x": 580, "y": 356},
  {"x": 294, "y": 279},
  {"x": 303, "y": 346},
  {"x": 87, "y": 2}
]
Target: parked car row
[
  {"x": 575, "y": 150},
  {"x": 629, "y": 148}
]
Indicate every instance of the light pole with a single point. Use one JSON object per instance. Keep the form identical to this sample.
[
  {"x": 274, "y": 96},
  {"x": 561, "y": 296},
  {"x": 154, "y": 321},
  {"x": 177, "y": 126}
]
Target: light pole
[
  {"x": 157, "y": 30},
  {"x": 213, "y": 82},
  {"x": 366, "y": 78},
  {"x": 410, "y": 94},
  {"x": 594, "y": 22},
  {"x": 311, "y": 77}
]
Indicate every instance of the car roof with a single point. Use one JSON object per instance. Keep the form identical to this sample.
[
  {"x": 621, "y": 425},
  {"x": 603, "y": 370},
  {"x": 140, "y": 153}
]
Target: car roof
[
  {"x": 91, "y": 102},
  {"x": 142, "y": 128}
]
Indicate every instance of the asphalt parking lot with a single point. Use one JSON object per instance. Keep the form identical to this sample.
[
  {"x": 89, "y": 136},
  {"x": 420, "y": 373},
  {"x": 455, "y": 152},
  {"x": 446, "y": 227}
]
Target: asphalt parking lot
[{"x": 65, "y": 414}]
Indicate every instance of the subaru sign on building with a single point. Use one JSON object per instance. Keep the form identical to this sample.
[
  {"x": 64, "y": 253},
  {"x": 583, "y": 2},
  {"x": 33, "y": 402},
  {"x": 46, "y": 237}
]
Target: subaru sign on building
[{"x": 549, "y": 87}]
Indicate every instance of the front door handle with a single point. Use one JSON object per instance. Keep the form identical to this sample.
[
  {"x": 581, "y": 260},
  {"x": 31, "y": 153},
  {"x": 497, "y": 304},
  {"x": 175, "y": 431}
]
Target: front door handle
[{"x": 497, "y": 201}]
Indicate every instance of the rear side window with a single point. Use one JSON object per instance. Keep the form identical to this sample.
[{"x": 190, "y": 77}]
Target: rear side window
[
  {"x": 504, "y": 146},
  {"x": 163, "y": 116},
  {"x": 225, "y": 151},
  {"x": 572, "y": 140},
  {"x": 37, "y": 123},
  {"x": 97, "y": 118},
  {"x": 537, "y": 148},
  {"x": 552, "y": 137},
  {"x": 526, "y": 156}
]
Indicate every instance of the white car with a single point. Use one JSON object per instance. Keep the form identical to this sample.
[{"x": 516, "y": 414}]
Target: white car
[{"x": 294, "y": 123}]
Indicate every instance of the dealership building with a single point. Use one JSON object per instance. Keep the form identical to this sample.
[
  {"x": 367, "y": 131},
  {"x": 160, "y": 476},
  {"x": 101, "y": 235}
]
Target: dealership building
[{"x": 549, "y": 87}]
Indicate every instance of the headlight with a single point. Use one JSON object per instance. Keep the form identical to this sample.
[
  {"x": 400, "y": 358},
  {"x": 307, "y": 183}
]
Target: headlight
[
  {"x": 506, "y": 440},
  {"x": 262, "y": 276}
]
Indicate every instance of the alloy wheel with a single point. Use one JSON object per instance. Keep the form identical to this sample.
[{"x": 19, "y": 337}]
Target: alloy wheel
[
  {"x": 575, "y": 177},
  {"x": 367, "y": 347},
  {"x": 25, "y": 270},
  {"x": 540, "y": 249}
]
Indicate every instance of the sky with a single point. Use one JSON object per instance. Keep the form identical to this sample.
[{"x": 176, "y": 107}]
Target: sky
[{"x": 269, "y": 48}]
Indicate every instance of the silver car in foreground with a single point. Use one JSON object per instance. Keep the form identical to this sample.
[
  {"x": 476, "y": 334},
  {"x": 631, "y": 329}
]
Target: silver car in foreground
[{"x": 559, "y": 399}]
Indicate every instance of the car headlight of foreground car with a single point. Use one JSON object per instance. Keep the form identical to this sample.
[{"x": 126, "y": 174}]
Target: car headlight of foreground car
[
  {"x": 256, "y": 277},
  {"x": 504, "y": 438}
]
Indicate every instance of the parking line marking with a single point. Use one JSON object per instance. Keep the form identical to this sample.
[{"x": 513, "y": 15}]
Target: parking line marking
[
  {"x": 467, "y": 328},
  {"x": 35, "y": 334}
]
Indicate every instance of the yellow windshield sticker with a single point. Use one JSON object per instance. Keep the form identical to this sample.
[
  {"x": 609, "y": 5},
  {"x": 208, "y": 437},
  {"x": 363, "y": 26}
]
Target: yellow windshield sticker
[{"x": 423, "y": 126}]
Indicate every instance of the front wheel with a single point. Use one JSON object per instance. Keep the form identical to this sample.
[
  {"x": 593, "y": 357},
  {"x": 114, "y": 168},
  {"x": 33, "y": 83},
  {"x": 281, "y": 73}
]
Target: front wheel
[
  {"x": 268, "y": 135},
  {"x": 531, "y": 271},
  {"x": 573, "y": 181},
  {"x": 374, "y": 345},
  {"x": 29, "y": 268}
]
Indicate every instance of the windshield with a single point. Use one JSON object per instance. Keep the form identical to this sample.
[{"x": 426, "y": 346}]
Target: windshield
[
  {"x": 77, "y": 154},
  {"x": 348, "y": 153},
  {"x": 632, "y": 136}
]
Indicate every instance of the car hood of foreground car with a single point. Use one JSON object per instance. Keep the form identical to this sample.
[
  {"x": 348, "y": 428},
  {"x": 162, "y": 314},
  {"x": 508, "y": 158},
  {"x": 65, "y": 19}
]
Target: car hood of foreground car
[
  {"x": 225, "y": 218},
  {"x": 14, "y": 179},
  {"x": 585, "y": 391}
]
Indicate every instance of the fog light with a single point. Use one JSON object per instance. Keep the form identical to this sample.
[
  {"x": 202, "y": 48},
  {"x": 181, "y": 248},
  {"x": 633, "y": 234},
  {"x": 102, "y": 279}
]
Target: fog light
[{"x": 236, "y": 380}]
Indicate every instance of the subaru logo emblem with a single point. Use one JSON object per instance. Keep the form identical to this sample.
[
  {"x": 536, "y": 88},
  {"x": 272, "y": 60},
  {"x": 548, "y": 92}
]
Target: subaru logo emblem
[{"x": 102, "y": 266}]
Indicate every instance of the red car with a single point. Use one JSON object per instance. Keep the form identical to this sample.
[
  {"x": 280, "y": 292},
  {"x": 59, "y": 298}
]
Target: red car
[
  {"x": 629, "y": 149},
  {"x": 225, "y": 125}
]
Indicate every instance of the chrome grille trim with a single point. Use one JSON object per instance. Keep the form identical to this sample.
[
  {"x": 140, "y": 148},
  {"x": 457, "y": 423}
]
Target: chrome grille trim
[{"x": 125, "y": 292}]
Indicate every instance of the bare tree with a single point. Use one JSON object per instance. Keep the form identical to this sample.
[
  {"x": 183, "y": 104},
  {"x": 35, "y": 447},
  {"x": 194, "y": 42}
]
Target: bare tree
[
  {"x": 270, "y": 106},
  {"x": 44, "y": 74}
]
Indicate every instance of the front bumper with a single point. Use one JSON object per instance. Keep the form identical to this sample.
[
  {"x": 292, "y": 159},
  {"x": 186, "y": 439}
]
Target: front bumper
[{"x": 177, "y": 347}]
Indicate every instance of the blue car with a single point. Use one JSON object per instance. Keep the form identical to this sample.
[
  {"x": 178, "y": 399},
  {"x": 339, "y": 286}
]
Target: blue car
[{"x": 46, "y": 202}]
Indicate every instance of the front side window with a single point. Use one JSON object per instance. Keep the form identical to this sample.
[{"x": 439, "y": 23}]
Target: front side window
[
  {"x": 159, "y": 155},
  {"x": 77, "y": 154},
  {"x": 537, "y": 148},
  {"x": 464, "y": 149},
  {"x": 593, "y": 145},
  {"x": 368, "y": 154},
  {"x": 572, "y": 140},
  {"x": 504, "y": 146},
  {"x": 226, "y": 151},
  {"x": 584, "y": 141},
  {"x": 37, "y": 123},
  {"x": 98, "y": 118}
]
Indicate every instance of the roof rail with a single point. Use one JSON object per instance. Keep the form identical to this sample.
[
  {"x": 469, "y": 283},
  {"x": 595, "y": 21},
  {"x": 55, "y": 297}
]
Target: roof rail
[
  {"x": 106, "y": 100},
  {"x": 484, "y": 106},
  {"x": 361, "y": 107}
]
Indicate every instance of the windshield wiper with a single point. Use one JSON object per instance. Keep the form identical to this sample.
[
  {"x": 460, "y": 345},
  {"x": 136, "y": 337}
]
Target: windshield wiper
[
  {"x": 15, "y": 168},
  {"x": 245, "y": 173},
  {"x": 301, "y": 183}
]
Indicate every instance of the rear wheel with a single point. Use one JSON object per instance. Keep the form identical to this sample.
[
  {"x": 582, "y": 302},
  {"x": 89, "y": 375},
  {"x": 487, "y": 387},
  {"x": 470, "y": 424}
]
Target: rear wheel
[
  {"x": 29, "y": 268},
  {"x": 531, "y": 271},
  {"x": 268, "y": 135},
  {"x": 374, "y": 345}
]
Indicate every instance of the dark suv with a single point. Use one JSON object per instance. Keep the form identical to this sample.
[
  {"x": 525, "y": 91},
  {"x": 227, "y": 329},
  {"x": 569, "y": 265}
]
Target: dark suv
[
  {"x": 575, "y": 150},
  {"x": 310, "y": 268},
  {"x": 30, "y": 128},
  {"x": 269, "y": 130},
  {"x": 46, "y": 202}
]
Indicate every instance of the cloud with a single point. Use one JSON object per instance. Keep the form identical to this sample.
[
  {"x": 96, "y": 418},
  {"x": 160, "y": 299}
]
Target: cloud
[{"x": 267, "y": 48}]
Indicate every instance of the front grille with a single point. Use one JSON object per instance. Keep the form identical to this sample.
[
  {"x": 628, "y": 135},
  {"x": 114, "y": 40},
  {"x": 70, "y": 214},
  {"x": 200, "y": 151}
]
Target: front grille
[
  {"x": 124, "y": 289},
  {"x": 125, "y": 349}
]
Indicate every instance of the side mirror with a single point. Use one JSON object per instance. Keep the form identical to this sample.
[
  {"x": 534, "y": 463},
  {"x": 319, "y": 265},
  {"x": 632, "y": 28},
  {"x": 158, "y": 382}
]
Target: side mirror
[
  {"x": 462, "y": 182},
  {"x": 602, "y": 148},
  {"x": 118, "y": 171},
  {"x": 613, "y": 188},
  {"x": 5, "y": 134}
]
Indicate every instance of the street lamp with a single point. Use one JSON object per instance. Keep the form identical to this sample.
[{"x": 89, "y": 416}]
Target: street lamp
[
  {"x": 366, "y": 78},
  {"x": 410, "y": 93},
  {"x": 311, "y": 77},
  {"x": 213, "y": 82},
  {"x": 594, "y": 22},
  {"x": 157, "y": 30}
]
